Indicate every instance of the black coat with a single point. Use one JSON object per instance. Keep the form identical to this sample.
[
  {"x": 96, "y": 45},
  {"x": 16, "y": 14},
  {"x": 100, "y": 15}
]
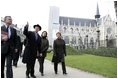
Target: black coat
[
  {"x": 19, "y": 43},
  {"x": 11, "y": 44},
  {"x": 31, "y": 47},
  {"x": 44, "y": 46},
  {"x": 59, "y": 50}
]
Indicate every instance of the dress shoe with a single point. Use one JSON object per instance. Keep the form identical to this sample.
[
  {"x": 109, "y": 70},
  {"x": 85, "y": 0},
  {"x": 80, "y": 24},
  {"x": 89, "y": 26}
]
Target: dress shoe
[
  {"x": 55, "y": 72},
  {"x": 15, "y": 65},
  {"x": 39, "y": 70},
  {"x": 27, "y": 76},
  {"x": 64, "y": 73},
  {"x": 33, "y": 76},
  {"x": 42, "y": 74}
]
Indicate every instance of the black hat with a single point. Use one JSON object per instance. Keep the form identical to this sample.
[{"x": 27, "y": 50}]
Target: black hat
[{"x": 37, "y": 26}]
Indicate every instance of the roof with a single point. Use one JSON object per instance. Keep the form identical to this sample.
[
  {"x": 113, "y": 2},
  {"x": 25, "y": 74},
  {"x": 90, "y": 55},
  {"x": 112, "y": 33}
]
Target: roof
[{"x": 77, "y": 21}]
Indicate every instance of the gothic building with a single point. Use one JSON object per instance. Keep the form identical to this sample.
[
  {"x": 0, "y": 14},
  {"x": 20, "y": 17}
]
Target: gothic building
[{"x": 84, "y": 33}]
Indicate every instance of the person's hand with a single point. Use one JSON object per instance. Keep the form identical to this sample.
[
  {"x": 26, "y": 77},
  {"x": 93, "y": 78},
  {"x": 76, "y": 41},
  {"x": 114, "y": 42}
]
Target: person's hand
[
  {"x": 37, "y": 54},
  {"x": 65, "y": 54},
  {"x": 27, "y": 25},
  {"x": 41, "y": 54},
  {"x": 5, "y": 38},
  {"x": 16, "y": 50}
]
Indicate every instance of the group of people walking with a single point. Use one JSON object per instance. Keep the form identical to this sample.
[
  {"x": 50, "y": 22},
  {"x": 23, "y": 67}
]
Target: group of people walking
[{"x": 36, "y": 47}]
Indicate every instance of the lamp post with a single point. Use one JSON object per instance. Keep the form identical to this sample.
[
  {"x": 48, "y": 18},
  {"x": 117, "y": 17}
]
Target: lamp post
[
  {"x": 106, "y": 40},
  {"x": 87, "y": 40},
  {"x": 98, "y": 36}
]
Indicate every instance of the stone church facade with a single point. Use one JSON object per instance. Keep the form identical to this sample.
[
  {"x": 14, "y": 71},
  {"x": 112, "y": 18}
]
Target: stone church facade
[
  {"x": 88, "y": 33},
  {"x": 83, "y": 33}
]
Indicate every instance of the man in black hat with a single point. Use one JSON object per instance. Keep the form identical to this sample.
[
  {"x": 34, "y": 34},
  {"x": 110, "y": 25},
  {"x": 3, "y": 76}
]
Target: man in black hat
[{"x": 31, "y": 49}]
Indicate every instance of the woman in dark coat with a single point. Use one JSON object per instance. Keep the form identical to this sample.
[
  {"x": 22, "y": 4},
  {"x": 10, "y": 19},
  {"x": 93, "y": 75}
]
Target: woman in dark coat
[
  {"x": 59, "y": 50},
  {"x": 33, "y": 44},
  {"x": 44, "y": 48}
]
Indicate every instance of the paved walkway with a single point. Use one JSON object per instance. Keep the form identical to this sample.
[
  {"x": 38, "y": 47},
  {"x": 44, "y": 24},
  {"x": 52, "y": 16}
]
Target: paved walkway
[{"x": 19, "y": 72}]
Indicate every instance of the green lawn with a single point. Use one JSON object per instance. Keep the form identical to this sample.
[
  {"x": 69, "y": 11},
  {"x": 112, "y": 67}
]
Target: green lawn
[{"x": 106, "y": 66}]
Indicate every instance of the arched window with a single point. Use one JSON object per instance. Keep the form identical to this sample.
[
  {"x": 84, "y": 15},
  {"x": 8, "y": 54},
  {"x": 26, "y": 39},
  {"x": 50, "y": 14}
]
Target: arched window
[
  {"x": 85, "y": 41},
  {"x": 64, "y": 29},
  {"x": 82, "y": 29},
  {"x": 74, "y": 40},
  {"x": 80, "y": 42},
  {"x": 92, "y": 42},
  {"x": 77, "y": 30},
  {"x": 71, "y": 29},
  {"x": 66, "y": 38}
]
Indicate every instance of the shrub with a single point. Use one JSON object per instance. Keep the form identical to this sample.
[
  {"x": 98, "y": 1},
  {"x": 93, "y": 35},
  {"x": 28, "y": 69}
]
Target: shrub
[
  {"x": 72, "y": 51},
  {"x": 109, "y": 52}
]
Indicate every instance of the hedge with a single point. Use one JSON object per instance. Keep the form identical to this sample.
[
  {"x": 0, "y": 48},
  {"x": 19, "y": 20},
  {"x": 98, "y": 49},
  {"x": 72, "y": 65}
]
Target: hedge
[{"x": 108, "y": 52}]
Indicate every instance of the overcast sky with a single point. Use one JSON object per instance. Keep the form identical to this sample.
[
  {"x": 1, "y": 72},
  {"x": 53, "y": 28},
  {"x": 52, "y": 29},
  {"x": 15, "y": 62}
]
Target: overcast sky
[{"x": 37, "y": 11}]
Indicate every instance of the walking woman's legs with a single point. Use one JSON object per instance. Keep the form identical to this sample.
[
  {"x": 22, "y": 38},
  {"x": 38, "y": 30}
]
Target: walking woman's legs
[
  {"x": 28, "y": 70},
  {"x": 55, "y": 67},
  {"x": 64, "y": 68},
  {"x": 41, "y": 61}
]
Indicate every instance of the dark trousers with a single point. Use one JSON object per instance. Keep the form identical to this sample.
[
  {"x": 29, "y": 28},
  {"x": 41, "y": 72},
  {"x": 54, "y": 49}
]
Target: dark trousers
[
  {"x": 20, "y": 51},
  {"x": 56, "y": 67},
  {"x": 15, "y": 58},
  {"x": 41, "y": 63},
  {"x": 8, "y": 58},
  {"x": 30, "y": 67}
]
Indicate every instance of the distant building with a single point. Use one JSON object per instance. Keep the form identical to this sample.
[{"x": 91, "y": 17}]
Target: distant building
[
  {"x": 53, "y": 23},
  {"x": 2, "y": 21},
  {"x": 83, "y": 33},
  {"x": 115, "y": 6}
]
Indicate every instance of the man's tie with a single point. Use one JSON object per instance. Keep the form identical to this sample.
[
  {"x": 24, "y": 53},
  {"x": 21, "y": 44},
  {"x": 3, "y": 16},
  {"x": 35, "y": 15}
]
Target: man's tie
[
  {"x": 36, "y": 36},
  {"x": 7, "y": 30}
]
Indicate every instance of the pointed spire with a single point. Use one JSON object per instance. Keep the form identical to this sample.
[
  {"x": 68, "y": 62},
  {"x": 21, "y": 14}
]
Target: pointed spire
[
  {"x": 97, "y": 12},
  {"x": 68, "y": 22},
  {"x": 74, "y": 23}
]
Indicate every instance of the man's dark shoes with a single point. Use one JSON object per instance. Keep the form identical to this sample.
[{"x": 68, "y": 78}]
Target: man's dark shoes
[
  {"x": 55, "y": 72},
  {"x": 42, "y": 74},
  {"x": 27, "y": 76},
  {"x": 33, "y": 76},
  {"x": 64, "y": 73},
  {"x": 15, "y": 65}
]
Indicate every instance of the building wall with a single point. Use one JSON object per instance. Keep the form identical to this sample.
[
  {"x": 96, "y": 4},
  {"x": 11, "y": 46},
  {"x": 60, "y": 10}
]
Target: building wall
[
  {"x": 53, "y": 24},
  {"x": 76, "y": 35},
  {"x": 108, "y": 31}
]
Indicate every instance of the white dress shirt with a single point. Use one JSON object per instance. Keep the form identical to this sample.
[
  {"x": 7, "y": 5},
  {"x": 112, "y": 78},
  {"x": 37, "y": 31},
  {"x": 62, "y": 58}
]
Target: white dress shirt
[{"x": 9, "y": 31}]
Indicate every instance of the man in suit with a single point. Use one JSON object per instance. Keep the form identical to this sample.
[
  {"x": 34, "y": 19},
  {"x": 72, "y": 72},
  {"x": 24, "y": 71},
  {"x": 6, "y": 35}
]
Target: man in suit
[
  {"x": 9, "y": 45},
  {"x": 32, "y": 46}
]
